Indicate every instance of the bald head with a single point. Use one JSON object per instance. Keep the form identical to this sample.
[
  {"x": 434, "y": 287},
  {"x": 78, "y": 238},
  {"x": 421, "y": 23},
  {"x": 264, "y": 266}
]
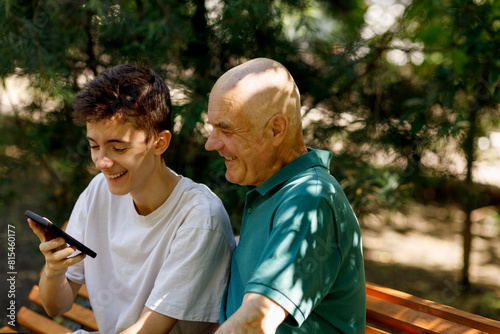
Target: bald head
[
  {"x": 261, "y": 88},
  {"x": 254, "y": 110}
]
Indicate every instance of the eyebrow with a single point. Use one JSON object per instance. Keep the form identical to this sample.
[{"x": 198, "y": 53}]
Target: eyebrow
[
  {"x": 109, "y": 141},
  {"x": 221, "y": 125}
]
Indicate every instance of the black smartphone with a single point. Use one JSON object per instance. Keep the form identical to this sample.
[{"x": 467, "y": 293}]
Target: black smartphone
[{"x": 57, "y": 232}]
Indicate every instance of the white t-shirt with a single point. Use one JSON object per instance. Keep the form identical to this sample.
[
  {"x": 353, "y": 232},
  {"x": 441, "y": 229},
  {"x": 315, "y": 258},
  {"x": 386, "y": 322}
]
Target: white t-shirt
[{"x": 174, "y": 261}]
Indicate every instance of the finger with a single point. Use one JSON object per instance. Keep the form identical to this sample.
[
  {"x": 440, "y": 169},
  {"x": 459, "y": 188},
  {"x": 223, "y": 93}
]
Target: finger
[
  {"x": 66, "y": 252},
  {"x": 61, "y": 260},
  {"x": 39, "y": 231},
  {"x": 36, "y": 229},
  {"x": 63, "y": 253},
  {"x": 67, "y": 262},
  {"x": 75, "y": 259},
  {"x": 52, "y": 245}
]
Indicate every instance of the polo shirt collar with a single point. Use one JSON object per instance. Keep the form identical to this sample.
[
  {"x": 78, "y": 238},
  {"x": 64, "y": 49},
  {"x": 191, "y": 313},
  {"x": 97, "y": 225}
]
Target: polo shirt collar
[{"x": 312, "y": 158}]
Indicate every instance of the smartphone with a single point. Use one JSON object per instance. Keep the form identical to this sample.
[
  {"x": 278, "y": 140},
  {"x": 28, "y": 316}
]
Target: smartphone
[{"x": 57, "y": 232}]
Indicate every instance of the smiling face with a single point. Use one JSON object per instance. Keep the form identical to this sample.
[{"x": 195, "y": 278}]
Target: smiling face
[
  {"x": 254, "y": 110},
  {"x": 244, "y": 146},
  {"x": 123, "y": 155}
]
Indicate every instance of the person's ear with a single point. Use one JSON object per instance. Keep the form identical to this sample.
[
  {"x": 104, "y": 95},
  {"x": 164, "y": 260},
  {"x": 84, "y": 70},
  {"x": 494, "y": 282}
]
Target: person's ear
[
  {"x": 163, "y": 142},
  {"x": 279, "y": 127}
]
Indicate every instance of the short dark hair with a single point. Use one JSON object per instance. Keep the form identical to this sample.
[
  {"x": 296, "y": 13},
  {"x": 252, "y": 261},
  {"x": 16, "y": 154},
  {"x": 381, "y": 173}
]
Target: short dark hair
[{"x": 130, "y": 93}]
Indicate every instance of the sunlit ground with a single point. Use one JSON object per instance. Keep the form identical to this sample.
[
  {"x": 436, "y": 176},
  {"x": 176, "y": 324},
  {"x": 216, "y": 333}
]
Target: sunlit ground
[
  {"x": 429, "y": 237},
  {"x": 420, "y": 252}
]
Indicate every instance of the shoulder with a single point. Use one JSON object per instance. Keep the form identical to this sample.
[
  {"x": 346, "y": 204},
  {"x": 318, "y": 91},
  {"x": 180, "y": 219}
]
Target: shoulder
[
  {"x": 311, "y": 190},
  {"x": 316, "y": 190},
  {"x": 197, "y": 193},
  {"x": 203, "y": 210},
  {"x": 314, "y": 181},
  {"x": 201, "y": 200}
]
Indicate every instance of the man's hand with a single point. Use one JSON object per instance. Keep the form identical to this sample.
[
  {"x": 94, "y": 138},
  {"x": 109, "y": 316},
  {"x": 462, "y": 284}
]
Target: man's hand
[{"x": 257, "y": 314}]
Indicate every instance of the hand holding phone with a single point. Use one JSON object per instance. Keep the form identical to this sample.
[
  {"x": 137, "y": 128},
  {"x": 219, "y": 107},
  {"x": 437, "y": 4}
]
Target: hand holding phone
[{"x": 57, "y": 232}]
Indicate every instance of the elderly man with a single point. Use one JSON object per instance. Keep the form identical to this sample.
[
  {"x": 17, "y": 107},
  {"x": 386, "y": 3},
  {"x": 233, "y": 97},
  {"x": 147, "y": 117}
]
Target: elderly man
[{"x": 298, "y": 267}]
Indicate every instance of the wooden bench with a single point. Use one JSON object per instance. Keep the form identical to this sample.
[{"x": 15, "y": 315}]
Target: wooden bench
[
  {"x": 80, "y": 316},
  {"x": 388, "y": 311},
  {"x": 394, "y": 311}
]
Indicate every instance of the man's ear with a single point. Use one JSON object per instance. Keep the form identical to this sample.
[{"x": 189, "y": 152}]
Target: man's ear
[
  {"x": 279, "y": 126},
  {"x": 162, "y": 142}
]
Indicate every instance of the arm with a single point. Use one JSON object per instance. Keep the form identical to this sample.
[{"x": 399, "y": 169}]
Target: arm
[
  {"x": 151, "y": 322},
  {"x": 257, "y": 314},
  {"x": 56, "y": 291}
]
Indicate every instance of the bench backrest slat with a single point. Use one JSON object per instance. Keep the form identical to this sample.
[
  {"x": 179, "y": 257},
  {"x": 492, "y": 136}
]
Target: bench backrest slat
[{"x": 384, "y": 300}]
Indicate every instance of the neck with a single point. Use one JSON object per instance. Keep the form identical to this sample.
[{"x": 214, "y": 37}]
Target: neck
[
  {"x": 164, "y": 182},
  {"x": 294, "y": 149},
  {"x": 294, "y": 154},
  {"x": 287, "y": 155}
]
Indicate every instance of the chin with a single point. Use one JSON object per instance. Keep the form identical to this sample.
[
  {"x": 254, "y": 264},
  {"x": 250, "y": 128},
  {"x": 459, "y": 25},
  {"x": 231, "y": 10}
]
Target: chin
[
  {"x": 231, "y": 179},
  {"x": 117, "y": 192}
]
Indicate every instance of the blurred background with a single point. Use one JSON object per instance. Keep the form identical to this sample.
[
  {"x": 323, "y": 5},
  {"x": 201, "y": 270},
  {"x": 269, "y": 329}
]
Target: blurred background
[{"x": 405, "y": 93}]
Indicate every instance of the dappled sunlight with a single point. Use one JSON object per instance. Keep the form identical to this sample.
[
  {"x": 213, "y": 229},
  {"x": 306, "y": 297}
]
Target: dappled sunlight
[
  {"x": 429, "y": 237},
  {"x": 381, "y": 16},
  {"x": 15, "y": 94},
  {"x": 307, "y": 251},
  {"x": 420, "y": 252}
]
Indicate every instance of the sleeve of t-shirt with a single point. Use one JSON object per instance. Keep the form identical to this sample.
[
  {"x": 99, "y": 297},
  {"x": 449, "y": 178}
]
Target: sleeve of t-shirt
[
  {"x": 194, "y": 275},
  {"x": 301, "y": 259}
]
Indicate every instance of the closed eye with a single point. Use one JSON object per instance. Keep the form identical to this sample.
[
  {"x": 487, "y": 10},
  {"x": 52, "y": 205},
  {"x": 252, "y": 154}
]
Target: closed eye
[
  {"x": 225, "y": 129},
  {"x": 222, "y": 127}
]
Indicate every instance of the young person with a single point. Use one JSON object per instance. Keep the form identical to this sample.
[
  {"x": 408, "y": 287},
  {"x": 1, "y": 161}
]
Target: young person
[
  {"x": 298, "y": 267},
  {"x": 163, "y": 242}
]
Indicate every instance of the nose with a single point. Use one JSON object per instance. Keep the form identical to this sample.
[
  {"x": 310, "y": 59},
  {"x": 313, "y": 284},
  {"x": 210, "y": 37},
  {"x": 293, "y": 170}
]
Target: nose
[
  {"x": 213, "y": 143},
  {"x": 102, "y": 161}
]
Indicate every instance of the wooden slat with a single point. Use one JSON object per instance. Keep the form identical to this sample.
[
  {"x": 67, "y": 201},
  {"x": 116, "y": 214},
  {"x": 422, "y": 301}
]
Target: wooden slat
[
  {"x": 7, "y": 329},
  {"x": 372, "y": 330},
  {"x": 432, "y": 308},
  {"x": 39, "y": 324},
  {"x": 396, "y": 317},
  {"x": 78, "y": 313},
  {"x": 83, "y": 292}
]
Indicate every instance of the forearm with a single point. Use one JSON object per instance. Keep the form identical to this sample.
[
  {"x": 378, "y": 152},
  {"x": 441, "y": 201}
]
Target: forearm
[
  {"x": 57, "y": 293},
  {"x": 151, "y": 322}
]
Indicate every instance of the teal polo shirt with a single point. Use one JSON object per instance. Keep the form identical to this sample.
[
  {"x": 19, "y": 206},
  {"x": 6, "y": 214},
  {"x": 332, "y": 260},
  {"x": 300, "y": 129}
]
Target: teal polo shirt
[{"x": 300, "y": 246}]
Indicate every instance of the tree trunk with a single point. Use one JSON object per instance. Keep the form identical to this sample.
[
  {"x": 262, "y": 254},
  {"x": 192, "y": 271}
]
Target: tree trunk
[{"x": 470, "y": 196}]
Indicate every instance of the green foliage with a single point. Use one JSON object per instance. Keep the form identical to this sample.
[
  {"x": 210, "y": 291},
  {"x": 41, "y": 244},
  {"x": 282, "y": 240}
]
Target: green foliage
[{"x": 385, "y": 115}]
